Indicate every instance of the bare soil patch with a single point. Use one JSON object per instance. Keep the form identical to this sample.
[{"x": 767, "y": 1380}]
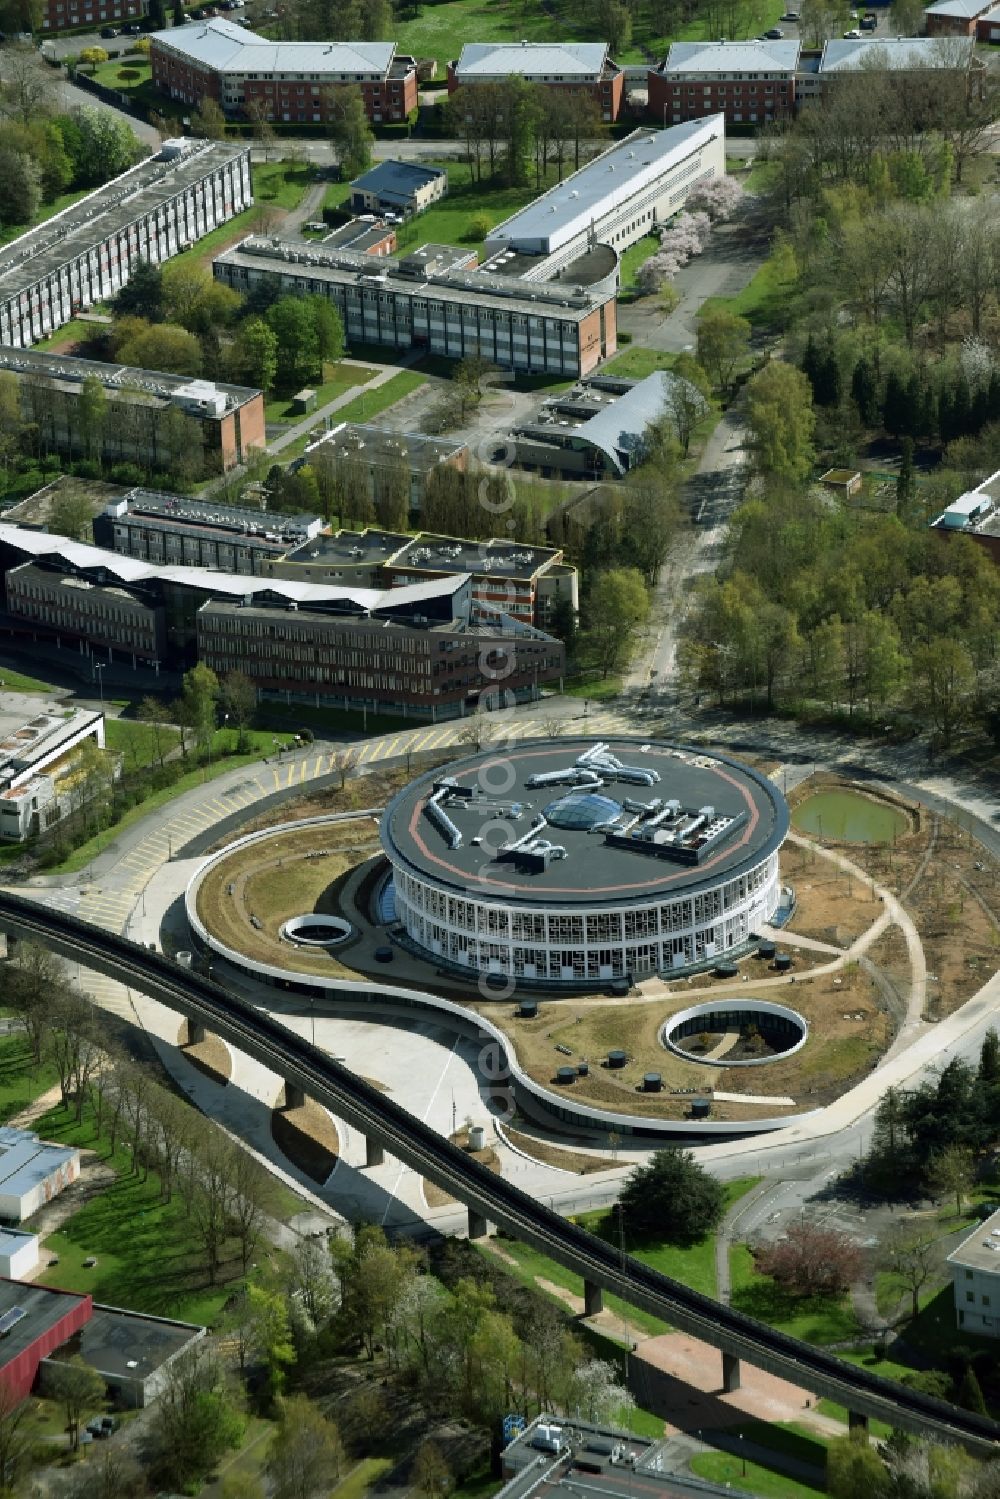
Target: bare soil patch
[
  {"x": 211, "y": 1057},
  {"x": 552, "y": 1155},
  {"x": 308, "y": 1137},
  {"x": 830, "y": 905},
  {"x": 437, "y": 1197}
]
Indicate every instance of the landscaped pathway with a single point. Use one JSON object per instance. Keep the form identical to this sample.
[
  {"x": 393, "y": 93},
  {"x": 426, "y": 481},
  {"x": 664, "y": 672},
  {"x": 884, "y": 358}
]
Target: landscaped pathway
[{"x": 314, "y": 422}]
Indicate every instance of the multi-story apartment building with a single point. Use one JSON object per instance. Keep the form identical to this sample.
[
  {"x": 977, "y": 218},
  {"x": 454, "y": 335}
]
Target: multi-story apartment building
[
  {"x": 151, "y": 418},
  {"x": 621, "y": 195},
  {"x": 749, "y": 82},
  {"x": 422, "y": 301},
  {"x": 176, "y": 531},
  {"x": 86, "y": 253},
  {"x": 566, "y": 66},
  {"x": 295, "y": 82},
  {"x": 60, "y": 15},
  {"x": 428, "y": 647}
]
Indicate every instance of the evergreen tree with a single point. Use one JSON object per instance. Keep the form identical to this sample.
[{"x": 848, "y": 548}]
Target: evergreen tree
[
  {"x": 970, "y": 1395},
  {"x": 904, "y": 483},
  {"x": 895, "y": 412},
  {"x": 142, "y": 294},
  {"x": 672, "y": 1198},
  {"x": 864, "y": 392},
  {"x": 945, "y": 422},
  {"x": 811, "y": 365},
  {"x": 989, "y": 1057},
  {"x": 962, "y": 407},
  {"x": 157, "y": 15},
  {"x": 178, "y": 13},
  {"x": 826, "y": 390}
]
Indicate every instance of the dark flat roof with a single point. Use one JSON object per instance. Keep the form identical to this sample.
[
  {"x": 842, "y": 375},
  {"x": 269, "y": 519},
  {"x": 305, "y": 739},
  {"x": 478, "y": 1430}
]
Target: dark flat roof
[
  {"x": 352, "y": 548},
  {"x": 44, "y": 1307},
  {"x": 113, "y": 1339},
  {"x": 594, "y": 872}
]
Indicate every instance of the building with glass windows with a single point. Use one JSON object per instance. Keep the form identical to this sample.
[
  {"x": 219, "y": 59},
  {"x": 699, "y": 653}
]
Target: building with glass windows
[{"x": 577, "y": 861}]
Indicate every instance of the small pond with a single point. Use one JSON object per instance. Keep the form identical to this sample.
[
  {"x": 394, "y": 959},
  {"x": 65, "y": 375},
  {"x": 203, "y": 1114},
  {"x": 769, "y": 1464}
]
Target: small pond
[{"x": 849, "y": 817}]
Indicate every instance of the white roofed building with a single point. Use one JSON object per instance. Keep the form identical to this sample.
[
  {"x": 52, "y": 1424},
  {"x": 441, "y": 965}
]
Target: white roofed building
[
  {"x": 627, "y": 192},
  {"x": 560, "y": 65},
  {"x": 296, "y": 82}
]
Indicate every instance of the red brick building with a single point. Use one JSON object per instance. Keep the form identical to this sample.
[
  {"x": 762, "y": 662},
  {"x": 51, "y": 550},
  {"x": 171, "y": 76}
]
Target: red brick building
[
  {"x": 751, "y": 83},
  {"x": 957, "y": 18},
  {"x": 58, "y": 15},
  {"x": 297, "y": 81},
  {"x": 573, "y": 66}
]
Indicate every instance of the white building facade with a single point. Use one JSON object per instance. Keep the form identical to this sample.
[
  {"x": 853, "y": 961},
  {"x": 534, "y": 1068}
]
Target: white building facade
[
  {"x": 975, "y": 1280},
  {"x": 88, "y": 252}
]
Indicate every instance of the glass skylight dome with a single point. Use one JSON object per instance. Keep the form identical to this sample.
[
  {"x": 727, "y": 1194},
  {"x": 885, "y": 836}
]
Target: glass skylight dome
[{"x": 581, "y": 811}]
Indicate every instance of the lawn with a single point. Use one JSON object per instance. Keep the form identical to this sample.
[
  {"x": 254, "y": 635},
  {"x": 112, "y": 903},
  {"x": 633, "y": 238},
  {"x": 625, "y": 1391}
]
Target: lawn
[
  {"x": 107, "y": 73},
  {"x": 74, "y": 332},
  {"x": 531, "y": 1266},
  {"x": 21, "y": 1082},
  {"x": 693, "y": 1266},
  {"x": 727, "y": 1469},
  {"x": 815, "y": 1319},
  {"x": 633, "y": 258},
  {"x": 372, "y": 403},
  {"x": 137, "y": 742},
  {"x": 145, "y": 1257},
  {"x": 18, "y": 681},
  {"x": 763, "y": 301},
  {"x": 337, "y": 379},
  {"x": 80, "y": 857},
  {"x": 276, "y": 184},
  {"x": 363, "y": 1478},
  {"x": 636, "y": 363},
  {"x": 447, "y": 222}
]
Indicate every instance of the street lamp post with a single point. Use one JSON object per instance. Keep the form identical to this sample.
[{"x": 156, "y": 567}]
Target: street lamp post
[{"x": 99, "y": 673}]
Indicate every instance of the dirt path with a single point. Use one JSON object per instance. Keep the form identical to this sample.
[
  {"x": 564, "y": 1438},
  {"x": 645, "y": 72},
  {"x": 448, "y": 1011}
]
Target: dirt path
[{"x": 36, "y": 1108}]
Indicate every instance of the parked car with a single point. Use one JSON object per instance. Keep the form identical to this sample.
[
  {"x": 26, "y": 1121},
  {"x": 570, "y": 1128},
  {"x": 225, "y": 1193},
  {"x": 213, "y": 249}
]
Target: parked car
[
  {"x": 852, "y": 35},
  {"x": 108, "y": 32},
  {"x": 790, "y": 15},
  {"x": 132, "y": 29},
  {"x": 775, "y": 34}
]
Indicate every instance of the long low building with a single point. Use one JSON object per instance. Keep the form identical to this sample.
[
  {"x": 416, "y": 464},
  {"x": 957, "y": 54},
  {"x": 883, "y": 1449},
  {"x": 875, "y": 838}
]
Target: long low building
[
  {"x": 86, "y": 253},
  {"x": 149, "y": 417},
  {"x": 176, "y": 530},
  {"x": 294, "y": 82},
  {"x": 427, "y": 648},
  {"x": 623, "y": 194},
  {"x": 425, "y": 303}
]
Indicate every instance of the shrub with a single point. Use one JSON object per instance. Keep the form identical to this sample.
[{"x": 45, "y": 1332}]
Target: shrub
[
  {"x": 128, "y": 74},
  {"x": 478, "y": 227}
]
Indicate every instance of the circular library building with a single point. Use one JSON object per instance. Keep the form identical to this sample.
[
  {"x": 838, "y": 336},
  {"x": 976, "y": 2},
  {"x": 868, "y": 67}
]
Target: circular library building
[{"x": 578, "y": 861}]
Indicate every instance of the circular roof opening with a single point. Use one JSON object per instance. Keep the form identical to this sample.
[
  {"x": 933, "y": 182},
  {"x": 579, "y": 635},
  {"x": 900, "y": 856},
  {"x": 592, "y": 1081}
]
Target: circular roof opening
[
  {"x": 315, "y": 930},
  {"x": 581, "y": 811},
  {"x": 735, "y": 1032}
]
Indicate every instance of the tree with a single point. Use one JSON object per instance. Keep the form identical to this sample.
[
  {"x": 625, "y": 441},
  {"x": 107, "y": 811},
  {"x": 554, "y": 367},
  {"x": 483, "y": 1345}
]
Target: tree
[
  {"x": 162, "y": 346},
  {"x": 430, "y": 1474},
  {"x": 597, "y": 1393},
  {"x": 255, "y": 354},
  {"x": 199, "y": 701},
  {"x": 951, "y": 1170},
  {"x": 970, "y": 1395},
  {"x": 77, "y": 1388},
  {"x": 152, "y": 712},
  {"x": 853, "y": 1467},
  {"x": 672, "y": 1198},
  {"x": 350, "y": 131},
  {"x": 687, "y": 398},
  {"x": 238, "y": 701},
  {"x": 290, "y": 320},
  {"x": 208, "y": 120},
  {"x": 105, "y": 146},
  {"x": 306, "y": 1454},
  {"x": 723, "y": 342},
  {"x": 15, "y": 1437},
  {"x": 195, "y": 1419},
  {"x": 114, "y": 1474},
  {"x": 270, "y": 1335},
  {"x": 71, "y": 513},
  {"x": 195, "y": 300},
  {"x": 93, "y": 57},
  {"x": 864, "y": 392},
  {"x": 781, "y": 422},
  {"x": 617, "y": 605},
  {"x": 989, "y": 1057},
  {"x": 811, "y": 1261},
  {"x": 944, "y": 672},
  {"x": 20, "y": 186}
]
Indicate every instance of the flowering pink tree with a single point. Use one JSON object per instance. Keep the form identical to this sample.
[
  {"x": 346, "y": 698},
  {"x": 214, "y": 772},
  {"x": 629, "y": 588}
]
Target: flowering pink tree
[
  {"x": 719, "y": 197},
  {"x": 686, "y": 236}
]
